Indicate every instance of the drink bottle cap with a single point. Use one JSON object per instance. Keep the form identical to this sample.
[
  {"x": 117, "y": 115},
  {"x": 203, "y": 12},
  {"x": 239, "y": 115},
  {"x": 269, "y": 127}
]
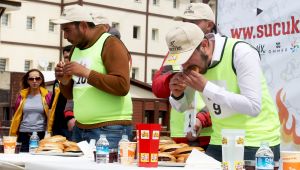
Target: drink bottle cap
[
  {"x": 124, "y": 136},
  {"x": 264, "y": 143}
]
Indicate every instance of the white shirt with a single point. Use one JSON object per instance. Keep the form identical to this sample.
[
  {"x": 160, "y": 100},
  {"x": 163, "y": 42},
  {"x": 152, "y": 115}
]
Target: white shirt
[{"x": 247, "y": 64}]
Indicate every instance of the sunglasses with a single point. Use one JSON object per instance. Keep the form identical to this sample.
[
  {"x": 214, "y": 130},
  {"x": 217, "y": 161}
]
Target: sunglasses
[{"x": 34, "y": 78}]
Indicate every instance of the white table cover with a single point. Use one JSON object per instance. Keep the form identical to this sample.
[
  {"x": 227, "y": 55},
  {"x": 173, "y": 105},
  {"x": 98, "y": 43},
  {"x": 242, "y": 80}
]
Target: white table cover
[{"x": 42, "y": 162}]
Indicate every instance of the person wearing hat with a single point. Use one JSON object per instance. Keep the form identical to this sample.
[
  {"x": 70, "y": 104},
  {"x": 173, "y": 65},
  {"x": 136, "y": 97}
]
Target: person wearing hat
[
  {"x": 231, "y": 84},
  {"x": 201, "y": 15},
  {"x": 198, "y": 13},
  {"x": 96, "y": 78},
  {"x": 101, "y": 20}
]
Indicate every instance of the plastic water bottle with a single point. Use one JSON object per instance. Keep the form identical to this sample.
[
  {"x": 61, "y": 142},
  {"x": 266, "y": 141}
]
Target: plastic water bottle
[
  {"x": 33, "y": 142},
  {"x": 124, "y": 139},
  {"x": 102, "y": 150},
  {"x": 264, "y": 157}
]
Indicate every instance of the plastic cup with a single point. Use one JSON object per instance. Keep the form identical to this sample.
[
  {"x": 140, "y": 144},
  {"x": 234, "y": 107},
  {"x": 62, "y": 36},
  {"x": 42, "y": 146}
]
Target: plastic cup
[
  {"x": 127, "y": 152},
  {"x": 9, "y": 143},
  {"x": 233, "y": 149},
  {"x": 147, "y": 146},
  {"x": 290, "y": 160}
]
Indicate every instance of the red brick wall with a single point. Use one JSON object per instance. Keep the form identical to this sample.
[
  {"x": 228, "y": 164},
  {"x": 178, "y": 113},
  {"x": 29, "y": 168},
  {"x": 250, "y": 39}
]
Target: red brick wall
[
  {"x": 153, "y": 106},
  {"x": 138, "y": 114}
]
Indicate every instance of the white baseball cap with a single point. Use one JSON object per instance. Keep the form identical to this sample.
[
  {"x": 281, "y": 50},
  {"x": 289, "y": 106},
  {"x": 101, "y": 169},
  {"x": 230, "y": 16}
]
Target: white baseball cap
[
  {"x": 197, "y": 11},
  {"x": 100, "y": 19},
  {"x": 74, "y": 13},
  {"x": 182, "y": 41}
]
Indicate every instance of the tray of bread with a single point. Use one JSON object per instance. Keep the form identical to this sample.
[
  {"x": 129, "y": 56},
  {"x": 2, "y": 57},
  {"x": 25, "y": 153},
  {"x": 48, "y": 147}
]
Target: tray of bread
[
  {"x": 174, "y": 154},
  {"x": 58, "y": 146}
]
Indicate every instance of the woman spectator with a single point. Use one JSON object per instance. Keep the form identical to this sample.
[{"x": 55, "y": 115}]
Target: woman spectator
[{"x": 31, "y": 109}]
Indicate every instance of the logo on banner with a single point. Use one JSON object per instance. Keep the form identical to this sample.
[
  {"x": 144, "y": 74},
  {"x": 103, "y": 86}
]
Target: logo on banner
[
  {"x": 277, "y": 49},
  {"x": 294, "y": 46},
  {"x": 261, "y": 49},
  {"x": 278, "y": 45}
]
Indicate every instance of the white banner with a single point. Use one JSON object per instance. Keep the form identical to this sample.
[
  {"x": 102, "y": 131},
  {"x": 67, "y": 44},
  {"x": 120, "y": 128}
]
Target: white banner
[{"x": 273, "y": 27}]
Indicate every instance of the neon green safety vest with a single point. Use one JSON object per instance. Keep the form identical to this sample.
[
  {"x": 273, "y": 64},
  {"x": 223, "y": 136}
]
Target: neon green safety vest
[
  {"x": 264, "y": 127},
  {"x": 92, "y": 105},
  {"x": 177, "y": 122}
]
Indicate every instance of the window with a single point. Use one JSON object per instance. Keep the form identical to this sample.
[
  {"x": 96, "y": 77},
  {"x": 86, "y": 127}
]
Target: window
[
  {"x": 30, "y": 23},
  {"x": 5, "y": 19},
  {"x": 136, "y": 32},
  {"x": 134, "y": 73},
  {"x": 162, "y": 120},
  {"x": 51, "y": 26},
  {"x": 50, "y": 66},
  {"x": 155, "y": 2},
  {"x": 174, "y": 3},
  {"x": 138, "y": 1},
  {"x": 3, "y": 62},
  {"x": 155, "y": 34},
  {"x": 115, "y": 25},
  {"x": 27, "y": 65},
  {"x": 149, "y": 116},
  {"x": 153, "y": 71}
]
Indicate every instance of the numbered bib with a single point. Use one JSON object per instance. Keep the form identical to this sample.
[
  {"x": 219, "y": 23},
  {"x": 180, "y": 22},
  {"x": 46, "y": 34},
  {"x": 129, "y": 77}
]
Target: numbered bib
[
  {"x": 81, "y": 81},
  {"x": 216, "y": 109}
]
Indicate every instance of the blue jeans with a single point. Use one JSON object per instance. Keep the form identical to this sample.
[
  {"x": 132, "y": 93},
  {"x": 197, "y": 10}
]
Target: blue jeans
[{"x": 113, "y": 134}]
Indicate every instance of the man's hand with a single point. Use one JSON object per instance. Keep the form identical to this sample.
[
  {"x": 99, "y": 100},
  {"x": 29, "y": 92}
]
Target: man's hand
[
  {"x": 59, "y": 73},
  {"x": 190, "y": 137},
  {"x": 177, "y": 86},
  {"x": 197, "y": 128},
  {"x": 71, "y": 124},
  {"x": 195, "y": 80},
  {"x": 74, "y": 68}
]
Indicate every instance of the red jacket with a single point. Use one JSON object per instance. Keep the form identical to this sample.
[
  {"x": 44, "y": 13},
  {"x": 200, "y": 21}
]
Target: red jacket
[{"x": 160, "y": 83}]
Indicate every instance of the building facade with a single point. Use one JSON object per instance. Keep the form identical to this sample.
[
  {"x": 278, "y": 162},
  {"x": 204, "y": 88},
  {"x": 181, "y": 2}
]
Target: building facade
[{"x": 30, "y": 40}]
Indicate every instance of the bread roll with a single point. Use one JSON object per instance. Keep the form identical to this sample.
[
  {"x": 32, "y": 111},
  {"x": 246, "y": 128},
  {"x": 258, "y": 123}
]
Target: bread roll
[
  {"x": 57, "y": 144},
  {"x": 185, "y": 150},
  {"x": 50, "y": 147},
  {"x": 172, "y": 147},
  {"x": 195, "y": 68},
  {"x": 43, "y": 150},
  {"x": 166, "y": 157},
  {"x": 69, "y": 144},
  {"x": 56, "y": 138},
  {"x": 72, "y": 149},
  {"x": 166, "y": 140},
  {"x": 182, "y": 158}
]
